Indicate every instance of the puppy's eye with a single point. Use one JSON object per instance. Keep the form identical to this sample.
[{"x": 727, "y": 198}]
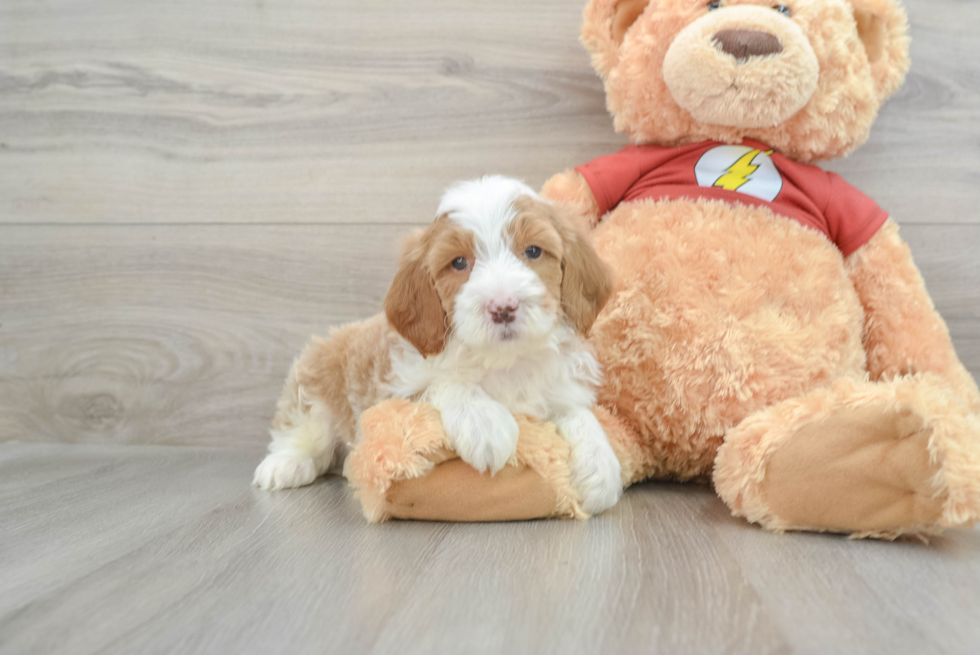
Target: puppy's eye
[
  {"x": 714, "y": 5},
  {"x": 784, "y": 10},
  {"x": 460, "y": 263},
  {"x": 532, "y": 252}
]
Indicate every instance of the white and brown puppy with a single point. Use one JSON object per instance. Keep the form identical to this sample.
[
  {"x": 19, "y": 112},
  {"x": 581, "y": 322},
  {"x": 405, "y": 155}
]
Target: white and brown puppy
[{"x": 486, "y": 318}]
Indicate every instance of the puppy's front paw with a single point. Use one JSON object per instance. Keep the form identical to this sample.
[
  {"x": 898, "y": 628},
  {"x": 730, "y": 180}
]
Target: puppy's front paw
[
  {"x": 483, "y": 433},
  {"x": 285, "y": 470},
  {"x": 596, "y": 475}
]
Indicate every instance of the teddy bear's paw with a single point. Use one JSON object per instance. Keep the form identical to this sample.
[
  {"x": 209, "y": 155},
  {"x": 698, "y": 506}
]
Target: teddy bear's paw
[
  {"x": 858, "y": 469},
  {"x": 285, "y": 470},
  {"x": 483, "y": 433},
  {"x": 596, "y": 475}
]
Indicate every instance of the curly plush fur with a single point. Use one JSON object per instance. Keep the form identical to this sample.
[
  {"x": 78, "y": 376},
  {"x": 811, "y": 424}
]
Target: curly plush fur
[{"x": 817, "y": 391}]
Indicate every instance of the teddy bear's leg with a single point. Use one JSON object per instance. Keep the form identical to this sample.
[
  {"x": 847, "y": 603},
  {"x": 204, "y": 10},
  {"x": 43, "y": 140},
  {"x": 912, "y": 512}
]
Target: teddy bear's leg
[
  {"x": 864, "y": 458},
  {"x": 403, "y": 467},
  {"x": 897, "y": 454}
]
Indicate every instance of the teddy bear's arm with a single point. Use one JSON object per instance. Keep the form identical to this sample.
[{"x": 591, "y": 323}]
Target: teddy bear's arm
[
  {"x": 570, "y": 188},
  {"x": 904, "y": 334}
]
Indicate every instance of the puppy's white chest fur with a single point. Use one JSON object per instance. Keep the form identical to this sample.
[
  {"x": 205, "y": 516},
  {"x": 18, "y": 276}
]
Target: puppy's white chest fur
[
  {"x": 538, "y": 379},
  {"x": 519, "y": 388}
]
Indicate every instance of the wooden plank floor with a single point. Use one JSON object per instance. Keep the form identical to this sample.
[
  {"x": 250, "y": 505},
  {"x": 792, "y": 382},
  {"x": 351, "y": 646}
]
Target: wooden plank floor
[
  {"x": 189, "y": 190},
  {"x": 148, "y": 549}
]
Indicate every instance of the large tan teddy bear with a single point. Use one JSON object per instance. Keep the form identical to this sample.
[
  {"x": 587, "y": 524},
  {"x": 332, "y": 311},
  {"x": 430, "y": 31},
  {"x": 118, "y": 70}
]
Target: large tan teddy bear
[{"x": 769, "y": 330}]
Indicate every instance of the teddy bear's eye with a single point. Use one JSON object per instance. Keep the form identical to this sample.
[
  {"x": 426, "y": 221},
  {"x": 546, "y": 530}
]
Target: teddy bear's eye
[
  {"x": 714, "y": 5},
  {"x": 784, "y": 10}
]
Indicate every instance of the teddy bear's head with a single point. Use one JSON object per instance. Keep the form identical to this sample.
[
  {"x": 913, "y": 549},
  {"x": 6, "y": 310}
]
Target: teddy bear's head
[{"x": 804, "y": 76}]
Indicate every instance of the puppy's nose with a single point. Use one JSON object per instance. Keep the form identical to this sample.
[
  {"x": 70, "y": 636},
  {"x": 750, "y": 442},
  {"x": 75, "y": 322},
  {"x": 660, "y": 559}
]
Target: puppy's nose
[
  {"x": 743, "y": 44},
  {"x": 503, "y": 312}
]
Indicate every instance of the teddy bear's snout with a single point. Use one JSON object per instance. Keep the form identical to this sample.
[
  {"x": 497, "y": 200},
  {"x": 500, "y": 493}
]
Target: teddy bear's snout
[{"x": 743, "y": 44}]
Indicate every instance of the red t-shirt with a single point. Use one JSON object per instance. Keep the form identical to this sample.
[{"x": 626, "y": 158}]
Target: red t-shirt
[{"x": 751, "y": 174}]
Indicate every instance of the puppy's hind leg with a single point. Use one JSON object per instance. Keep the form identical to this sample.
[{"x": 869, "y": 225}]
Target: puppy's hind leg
[{"x": 304, "y": 438}]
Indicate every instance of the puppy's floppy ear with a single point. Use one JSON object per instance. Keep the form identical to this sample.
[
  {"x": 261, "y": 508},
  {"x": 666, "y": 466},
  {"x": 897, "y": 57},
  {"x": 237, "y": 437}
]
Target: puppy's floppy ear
[
  {"x": 882, "y": 26},
  {"x": 586, "y": 282},
  {"x": 412, "y": 305},
  {"x": 604, "y": 27}
]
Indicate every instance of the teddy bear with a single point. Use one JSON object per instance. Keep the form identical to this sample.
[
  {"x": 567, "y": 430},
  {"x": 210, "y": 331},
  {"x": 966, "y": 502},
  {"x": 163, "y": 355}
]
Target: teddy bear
[{"x": 769, "y": 332}]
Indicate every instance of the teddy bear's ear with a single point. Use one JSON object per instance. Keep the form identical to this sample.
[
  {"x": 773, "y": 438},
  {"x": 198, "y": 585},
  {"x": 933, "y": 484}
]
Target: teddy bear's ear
[
  {"x": 884, "y": 30},
  {"x": 604, "y": 26}
]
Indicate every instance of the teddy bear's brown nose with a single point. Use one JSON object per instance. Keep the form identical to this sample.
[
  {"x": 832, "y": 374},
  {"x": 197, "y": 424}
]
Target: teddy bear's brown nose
[{"x": 743, "y": 44}]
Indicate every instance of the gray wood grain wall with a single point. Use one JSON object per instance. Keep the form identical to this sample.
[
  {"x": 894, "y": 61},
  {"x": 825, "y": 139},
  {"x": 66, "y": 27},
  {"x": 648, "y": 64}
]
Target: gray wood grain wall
[{"x": 189, "y": 190}]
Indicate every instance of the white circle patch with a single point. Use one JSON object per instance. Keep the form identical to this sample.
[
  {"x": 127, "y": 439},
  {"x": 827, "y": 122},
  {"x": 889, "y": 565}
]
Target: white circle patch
[{"x": 740, "y": 168}]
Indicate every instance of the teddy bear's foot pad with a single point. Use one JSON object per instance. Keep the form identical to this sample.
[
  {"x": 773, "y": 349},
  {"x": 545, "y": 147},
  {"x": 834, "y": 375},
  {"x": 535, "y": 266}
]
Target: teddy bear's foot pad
[
  {"x": 865, "y": 470},
  {"x": 455, "y": 491}
]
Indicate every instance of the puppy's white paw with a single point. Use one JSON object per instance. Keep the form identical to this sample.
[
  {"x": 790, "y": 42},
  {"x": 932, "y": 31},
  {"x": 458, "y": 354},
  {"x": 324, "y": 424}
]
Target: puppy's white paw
[
  {"x": 285, "y": 470},
  {"x": 483, "y": 433},
  {"x": 596, "y": 475}
]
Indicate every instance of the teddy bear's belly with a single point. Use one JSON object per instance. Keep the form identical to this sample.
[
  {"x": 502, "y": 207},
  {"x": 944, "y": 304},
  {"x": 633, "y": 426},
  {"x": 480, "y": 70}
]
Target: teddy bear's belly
[{"x": 720, "y": 310}]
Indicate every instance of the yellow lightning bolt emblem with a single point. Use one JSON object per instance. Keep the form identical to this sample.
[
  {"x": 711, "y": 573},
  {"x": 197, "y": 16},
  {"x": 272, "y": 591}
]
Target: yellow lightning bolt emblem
[{"x": 739, "y": 173}]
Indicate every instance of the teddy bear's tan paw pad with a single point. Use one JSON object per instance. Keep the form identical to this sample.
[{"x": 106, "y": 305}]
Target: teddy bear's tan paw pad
[
  {"x": 862, "y": 470},
  {"x": 455, "y": 491}
]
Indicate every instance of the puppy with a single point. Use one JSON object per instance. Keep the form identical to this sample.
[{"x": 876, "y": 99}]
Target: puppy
[{"x": 486, "y": 318}]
